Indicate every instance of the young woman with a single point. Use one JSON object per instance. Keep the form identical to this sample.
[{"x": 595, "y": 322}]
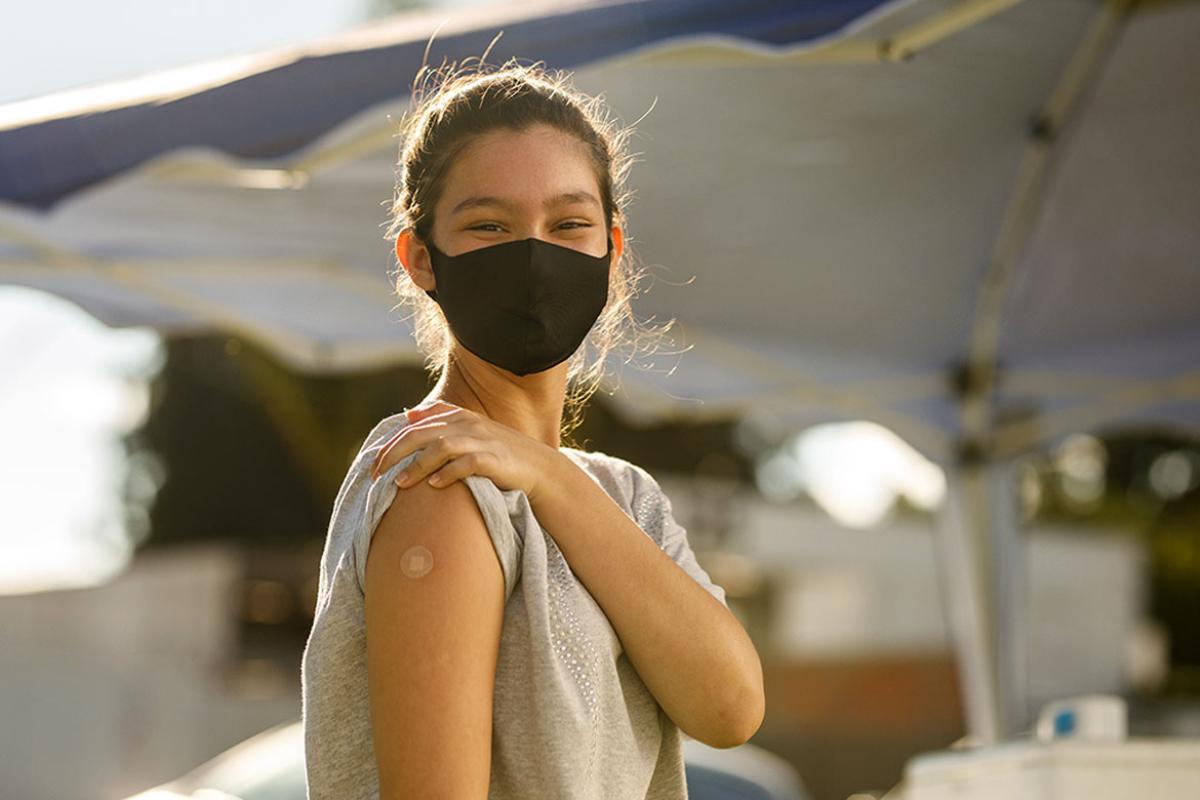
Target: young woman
[{"x": 499, "y": 615}]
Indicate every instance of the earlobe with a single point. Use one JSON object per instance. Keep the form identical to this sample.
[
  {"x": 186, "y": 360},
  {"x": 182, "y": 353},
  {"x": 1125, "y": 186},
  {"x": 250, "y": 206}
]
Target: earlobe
[
  {"x": 401, "y": 254},
  {"x": 415, "y": 259},
  {"x": 618, "y": 245}
]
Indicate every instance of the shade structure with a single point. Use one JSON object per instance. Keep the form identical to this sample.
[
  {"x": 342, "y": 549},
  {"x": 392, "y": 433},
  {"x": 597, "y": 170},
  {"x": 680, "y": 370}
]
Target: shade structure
[{"x": 975, "y": 223}]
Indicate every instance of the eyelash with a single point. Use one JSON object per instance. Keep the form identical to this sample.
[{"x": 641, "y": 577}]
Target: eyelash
[{"x": 495, "y": 224}]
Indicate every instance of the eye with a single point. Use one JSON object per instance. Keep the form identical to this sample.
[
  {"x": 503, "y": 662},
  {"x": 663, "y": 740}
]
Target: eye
[{"x": 490, "y": 226}]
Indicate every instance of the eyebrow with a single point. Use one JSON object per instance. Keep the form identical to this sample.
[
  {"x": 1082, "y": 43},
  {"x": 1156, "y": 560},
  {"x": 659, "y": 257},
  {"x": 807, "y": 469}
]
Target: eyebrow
[{"x": 562, "y": 199}]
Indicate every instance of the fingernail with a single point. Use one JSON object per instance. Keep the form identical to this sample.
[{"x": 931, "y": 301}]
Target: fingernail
[{"x": 401, "y": 478}]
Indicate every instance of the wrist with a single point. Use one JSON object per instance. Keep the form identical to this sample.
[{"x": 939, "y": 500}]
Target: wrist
[{"x": 547, "y": 474}]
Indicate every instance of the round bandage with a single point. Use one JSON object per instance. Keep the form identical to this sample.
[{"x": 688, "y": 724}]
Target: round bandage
[{"x": 417, "y": 561}]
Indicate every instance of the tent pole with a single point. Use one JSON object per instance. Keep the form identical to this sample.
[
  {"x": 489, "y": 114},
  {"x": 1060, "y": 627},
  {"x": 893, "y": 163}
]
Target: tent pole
[
  {"x": 981, "y": 549},
  {"x": 1008, "y": 568},
  {"x": 965, "y": 589}
]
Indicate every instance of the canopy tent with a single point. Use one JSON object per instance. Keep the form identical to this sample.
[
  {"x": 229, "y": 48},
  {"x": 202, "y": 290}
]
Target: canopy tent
[{"x": 973, "y": 222}]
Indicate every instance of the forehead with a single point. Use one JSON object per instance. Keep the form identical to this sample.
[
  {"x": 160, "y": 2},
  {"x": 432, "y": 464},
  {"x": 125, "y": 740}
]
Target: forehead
[{"x": 529, "y": 167}]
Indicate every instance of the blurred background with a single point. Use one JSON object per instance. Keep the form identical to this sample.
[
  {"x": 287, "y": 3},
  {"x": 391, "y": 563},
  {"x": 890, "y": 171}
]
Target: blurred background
[{"x": 932, "y": 417}]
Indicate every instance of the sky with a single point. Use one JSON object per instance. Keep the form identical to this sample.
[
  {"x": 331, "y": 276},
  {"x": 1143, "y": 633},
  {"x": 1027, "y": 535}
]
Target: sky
[
  {"x": 74, "y": 43},
  {"x": 50, "y": 45}
]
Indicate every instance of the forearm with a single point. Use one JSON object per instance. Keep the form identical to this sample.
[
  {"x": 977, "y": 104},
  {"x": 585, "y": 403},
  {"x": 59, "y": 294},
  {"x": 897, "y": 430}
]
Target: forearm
[{"x": 690, "y": 651}]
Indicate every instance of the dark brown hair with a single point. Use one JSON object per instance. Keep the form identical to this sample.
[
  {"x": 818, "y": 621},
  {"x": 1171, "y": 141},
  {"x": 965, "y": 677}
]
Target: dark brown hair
[{"x": 453, "y": 105}]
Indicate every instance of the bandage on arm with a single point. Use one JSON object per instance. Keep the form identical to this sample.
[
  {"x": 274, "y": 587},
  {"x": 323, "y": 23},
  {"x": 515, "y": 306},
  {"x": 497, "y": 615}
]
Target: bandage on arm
[{"x": 434, "y": 599}]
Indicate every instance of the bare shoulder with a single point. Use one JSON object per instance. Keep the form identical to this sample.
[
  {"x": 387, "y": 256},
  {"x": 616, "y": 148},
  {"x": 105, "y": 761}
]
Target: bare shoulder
[
  {"x": 447, "y": 519},
  {"x": 434, "y": 599}
]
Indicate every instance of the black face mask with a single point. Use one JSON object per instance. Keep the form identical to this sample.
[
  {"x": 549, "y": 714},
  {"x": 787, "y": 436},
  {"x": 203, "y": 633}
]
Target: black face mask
[{"x": 524, "y": 305}]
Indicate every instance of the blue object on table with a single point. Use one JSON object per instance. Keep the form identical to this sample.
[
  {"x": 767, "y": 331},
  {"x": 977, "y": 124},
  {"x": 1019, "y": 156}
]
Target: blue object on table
[{"x": 709, "y": 784}]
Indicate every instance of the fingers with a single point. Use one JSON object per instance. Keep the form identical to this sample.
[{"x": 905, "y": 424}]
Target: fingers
[
  {"x": 433, "y": 409},
  {"x": 379, "y": 464},
  {"x": 437, "y": 413},
  {"x": 433, "y": 456},
  {"x": 401, "y": 444},
  {"x": 457, "y": 469}
]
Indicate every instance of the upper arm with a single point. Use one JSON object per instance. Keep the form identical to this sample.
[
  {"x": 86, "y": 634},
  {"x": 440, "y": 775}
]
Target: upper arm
[{"x": 432, "y": 645}]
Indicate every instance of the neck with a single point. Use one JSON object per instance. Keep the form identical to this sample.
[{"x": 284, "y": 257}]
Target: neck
[{"x": 529, "y": 404}]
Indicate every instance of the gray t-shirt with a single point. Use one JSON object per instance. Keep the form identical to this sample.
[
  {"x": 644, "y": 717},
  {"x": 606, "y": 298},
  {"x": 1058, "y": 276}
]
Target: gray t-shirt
[{"x": 571, "y": 716}]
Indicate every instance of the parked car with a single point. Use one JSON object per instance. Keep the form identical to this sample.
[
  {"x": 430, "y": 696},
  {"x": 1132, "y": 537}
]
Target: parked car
[{"x": 270, "y": 766}]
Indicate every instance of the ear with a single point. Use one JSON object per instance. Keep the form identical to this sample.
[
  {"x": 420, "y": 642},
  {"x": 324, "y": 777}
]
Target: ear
[
  {"x": 618, "y": 237},
  {"x": 414, "y": 257}
]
